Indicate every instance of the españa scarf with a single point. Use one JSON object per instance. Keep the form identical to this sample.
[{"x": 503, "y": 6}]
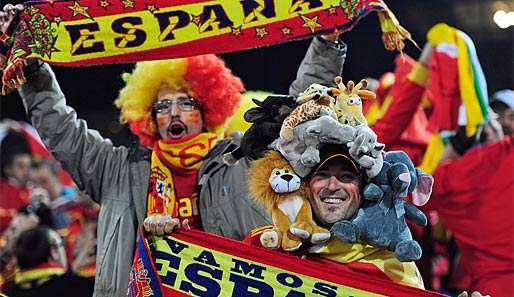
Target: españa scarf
[
  {"x": 88, "y": 32},
  {"x": 174, "y": 168},
  {"x": 359, "y": 257},
  {"x": 191, "y": 262}
]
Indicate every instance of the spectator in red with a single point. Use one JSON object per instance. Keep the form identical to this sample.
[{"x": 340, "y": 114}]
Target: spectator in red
[
  {"x": 15, "y": 166},
  {"x": 45, "y": 175},
  {"x": 403, "y": 124},
  {"x": 473, "y": 195}
]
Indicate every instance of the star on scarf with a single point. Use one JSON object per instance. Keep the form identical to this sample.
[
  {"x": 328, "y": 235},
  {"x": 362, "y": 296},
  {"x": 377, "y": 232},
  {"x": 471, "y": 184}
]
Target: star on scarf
[
  {"x": 56, "y": 19},
  {"x": 261, "y": 32},
  {"x": 236, "y": 31},
  {"x": 50, "y": 50},
  {"x": 151, "y": 8},
  {"x": 128, "y": 3},
  {"x": 196, "y": 19},
  {"x": 77, "y": 9},
  {"x": 104, "y": 3},
  {"x": 286, "y": 30},
  {"x": 311, "y": 23},
  {"x": 332, "y": 10}
]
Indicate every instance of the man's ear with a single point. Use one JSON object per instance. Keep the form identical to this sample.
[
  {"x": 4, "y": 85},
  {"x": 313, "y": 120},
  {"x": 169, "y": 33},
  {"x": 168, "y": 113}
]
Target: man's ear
[{"x": 254, "y": 114}]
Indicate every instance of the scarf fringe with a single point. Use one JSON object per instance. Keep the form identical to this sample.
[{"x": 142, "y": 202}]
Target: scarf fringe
[
  {"x": 13, "y": 76},
  {"x": 393, "y": 34}
]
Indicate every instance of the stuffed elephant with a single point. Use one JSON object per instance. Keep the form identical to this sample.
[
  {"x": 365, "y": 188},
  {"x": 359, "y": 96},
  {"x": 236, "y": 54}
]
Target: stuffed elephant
[{"x": 380, "y": 220}]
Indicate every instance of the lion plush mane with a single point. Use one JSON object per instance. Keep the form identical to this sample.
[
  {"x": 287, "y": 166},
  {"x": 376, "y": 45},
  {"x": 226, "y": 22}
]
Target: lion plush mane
[
  {"x": 274, "y": 184},
  {"x": 259, "y": 179}
]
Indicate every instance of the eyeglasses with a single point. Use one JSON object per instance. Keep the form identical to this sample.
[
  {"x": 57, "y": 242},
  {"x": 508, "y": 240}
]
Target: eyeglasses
[{"x": 183, "y": 103}]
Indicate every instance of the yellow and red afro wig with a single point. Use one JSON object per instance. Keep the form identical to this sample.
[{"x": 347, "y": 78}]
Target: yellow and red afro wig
[{"x": 206, "y": 78}]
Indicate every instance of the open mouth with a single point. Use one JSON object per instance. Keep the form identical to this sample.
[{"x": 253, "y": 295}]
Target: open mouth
[
  {"x": 177, "y": 129},
  {"x": 333, "y": 200}
]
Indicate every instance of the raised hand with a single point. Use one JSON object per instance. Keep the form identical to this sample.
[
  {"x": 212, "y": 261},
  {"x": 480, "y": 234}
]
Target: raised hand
[{"x": 7, "y": 15}]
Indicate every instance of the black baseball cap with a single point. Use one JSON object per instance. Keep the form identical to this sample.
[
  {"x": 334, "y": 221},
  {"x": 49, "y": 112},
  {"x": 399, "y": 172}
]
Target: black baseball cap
[{"x": 330, "y": 152}]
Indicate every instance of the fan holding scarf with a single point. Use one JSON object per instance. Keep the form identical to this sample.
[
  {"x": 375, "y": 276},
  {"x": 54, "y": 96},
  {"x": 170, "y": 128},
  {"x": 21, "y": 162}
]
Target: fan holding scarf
[{"x": 177, "y": 108}]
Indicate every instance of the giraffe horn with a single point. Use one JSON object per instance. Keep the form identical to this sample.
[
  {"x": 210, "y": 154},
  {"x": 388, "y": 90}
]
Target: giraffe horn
[
  {"x": 339, "y": 82},
  {"x": 362, "y": 84},
  {"x": 350, "y": 86}
]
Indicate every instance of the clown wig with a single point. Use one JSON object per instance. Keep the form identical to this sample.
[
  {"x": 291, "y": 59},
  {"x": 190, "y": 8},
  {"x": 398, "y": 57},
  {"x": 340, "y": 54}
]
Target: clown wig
[{"x": 205, "y": 78}]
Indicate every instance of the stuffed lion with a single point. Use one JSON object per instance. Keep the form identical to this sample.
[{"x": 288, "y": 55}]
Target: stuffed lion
[{"x": 274, "y": 184}]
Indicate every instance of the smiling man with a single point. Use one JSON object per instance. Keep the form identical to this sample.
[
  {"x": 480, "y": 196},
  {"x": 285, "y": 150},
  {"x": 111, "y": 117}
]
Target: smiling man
[{"x": 335, "y": 186}]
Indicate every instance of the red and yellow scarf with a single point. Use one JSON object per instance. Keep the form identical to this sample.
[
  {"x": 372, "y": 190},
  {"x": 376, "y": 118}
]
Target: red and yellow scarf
[
  {"x": 174, "y": 168},
  {"x": 38, "y": 275}
]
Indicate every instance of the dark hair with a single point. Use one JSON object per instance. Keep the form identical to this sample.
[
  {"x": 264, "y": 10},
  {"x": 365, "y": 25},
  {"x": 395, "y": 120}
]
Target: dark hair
[
  {"x": 13, "y": 144},
  {"x": 498, "y": 106},
  {"x": 53, "y": 166},
  {"x": 32, "y": 247}
]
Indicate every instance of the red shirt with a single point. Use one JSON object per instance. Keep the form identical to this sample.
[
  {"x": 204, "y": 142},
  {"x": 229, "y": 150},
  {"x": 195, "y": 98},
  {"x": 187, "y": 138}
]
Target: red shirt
[
  {"x": 12, "y": 197},
  {"x": 403, "y": 126},
  {"x": 474, "y": 195}
]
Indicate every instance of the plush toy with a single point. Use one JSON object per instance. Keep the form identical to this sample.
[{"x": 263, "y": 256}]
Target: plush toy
[
  {"x": 380, "y": 221},
  {"x": 316, "y": 101},
  {"x": 302, "y": 151},
  {"x": 274, "y": 184},
  {"x": 266, "y": 121},
  {"x": 348, "y": 102}
]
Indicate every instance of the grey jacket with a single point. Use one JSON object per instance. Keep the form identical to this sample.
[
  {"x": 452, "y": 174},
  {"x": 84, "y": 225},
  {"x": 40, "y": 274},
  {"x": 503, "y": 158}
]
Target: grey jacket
[{"x": 117, "y": 177}]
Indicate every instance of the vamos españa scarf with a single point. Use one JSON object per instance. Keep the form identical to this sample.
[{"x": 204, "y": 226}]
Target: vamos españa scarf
[
  {"x": 194, "y": 263},
  {"x": 87, "y": 32},
  {"x": 174, "y": 168}
]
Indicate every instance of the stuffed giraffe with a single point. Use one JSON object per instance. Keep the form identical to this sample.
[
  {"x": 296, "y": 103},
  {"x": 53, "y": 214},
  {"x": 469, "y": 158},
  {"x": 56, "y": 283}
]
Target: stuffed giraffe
[
  {"x": 349, "y": 102},
  {"x": 315, "y": 101}
]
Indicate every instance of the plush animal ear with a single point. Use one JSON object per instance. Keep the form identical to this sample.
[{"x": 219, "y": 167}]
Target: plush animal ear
[
  {"x": 258, "y": 102},
  {"x": 423, "y": 189},
  {"x": 366, "y": 94},
  {"x": 303, "y": 99},
  {"x": 254, "y": 114}
]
